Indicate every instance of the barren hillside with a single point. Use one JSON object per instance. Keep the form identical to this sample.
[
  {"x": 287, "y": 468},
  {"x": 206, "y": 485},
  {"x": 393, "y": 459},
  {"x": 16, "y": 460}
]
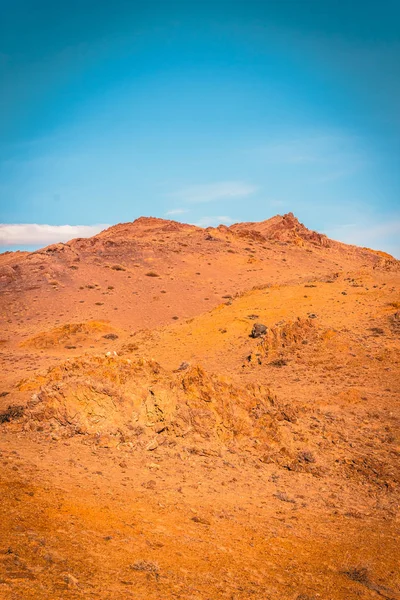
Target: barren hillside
[{"x": 200, "y": 413}]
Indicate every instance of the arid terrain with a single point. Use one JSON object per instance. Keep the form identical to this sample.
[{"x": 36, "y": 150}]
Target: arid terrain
[{"x": 200, "y": 414}]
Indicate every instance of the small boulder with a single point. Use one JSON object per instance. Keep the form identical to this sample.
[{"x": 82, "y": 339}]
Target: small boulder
[
  {"x": 201, "y": 520},
  {"x": 70, "y": 580},
  {"x": 149, "y": 485},
  {"x": 258, "y": 330},
  {"x": 152, "y": 445},
  {"x": 160, "y": 427}
]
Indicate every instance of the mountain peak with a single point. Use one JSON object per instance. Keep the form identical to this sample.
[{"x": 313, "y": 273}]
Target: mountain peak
[{"x": 285, "y": 227}]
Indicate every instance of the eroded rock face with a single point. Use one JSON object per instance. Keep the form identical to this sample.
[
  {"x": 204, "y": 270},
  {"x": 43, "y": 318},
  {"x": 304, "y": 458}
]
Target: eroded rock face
[
  {"x": 70, "y": 333},
  {"x": 7, "y": 273},
  {"x": 113, "y": 395},
  {"x": 286, "y": 228}
]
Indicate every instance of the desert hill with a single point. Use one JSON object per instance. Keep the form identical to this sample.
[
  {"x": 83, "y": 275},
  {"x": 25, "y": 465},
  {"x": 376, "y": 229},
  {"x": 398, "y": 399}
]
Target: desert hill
[
  {"x": 158, "y": 270},
  {"x": 200, "y": 413}
]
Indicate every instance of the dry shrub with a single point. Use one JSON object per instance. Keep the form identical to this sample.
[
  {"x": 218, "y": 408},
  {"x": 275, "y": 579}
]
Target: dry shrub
[
  {"x": 14, "y": 411},
  {"x": 145, "y": 565}
]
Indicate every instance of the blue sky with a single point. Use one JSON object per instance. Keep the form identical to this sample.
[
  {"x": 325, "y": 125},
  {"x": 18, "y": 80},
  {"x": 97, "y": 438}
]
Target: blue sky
[{"x": 204, "y": 112}]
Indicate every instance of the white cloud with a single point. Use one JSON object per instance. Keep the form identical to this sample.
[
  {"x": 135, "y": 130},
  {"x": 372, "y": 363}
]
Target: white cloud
[
  {"x": 222, "y": 190},
  {"x": 176, "y": 211},
  {"x": 213, "y": 221},
  {"x": 42, "y": 235}
]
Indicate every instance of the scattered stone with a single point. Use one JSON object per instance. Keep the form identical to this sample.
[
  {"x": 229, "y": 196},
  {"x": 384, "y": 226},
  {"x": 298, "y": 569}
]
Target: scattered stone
[
  {"x": 110, "y": 336},
  {"x": 149, "y": 485},
  {"x": 289, "y": 414},
  {"x": 71, "y": 580},
  {"x": 153, "y": 466},
  {"x": 312, "y": 316},
  {"x": 152, "y": 445},
  {"x": 160, "y": 427}
]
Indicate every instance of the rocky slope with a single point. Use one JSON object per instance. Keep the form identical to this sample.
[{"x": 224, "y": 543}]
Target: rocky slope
[{"x": 190, "y": 413}]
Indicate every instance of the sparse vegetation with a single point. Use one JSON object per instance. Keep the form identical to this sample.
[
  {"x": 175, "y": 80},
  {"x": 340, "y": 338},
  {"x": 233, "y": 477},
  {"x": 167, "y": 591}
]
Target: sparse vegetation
[
  {"x": 145, "y": 565},
  {"x": 359, "y": 574},
  {"x": 306, "y": 456},
  {"x": 377, "y": 330},
  {"x": 14, "y": 411},
  {"x": 284, "y": 497}
]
